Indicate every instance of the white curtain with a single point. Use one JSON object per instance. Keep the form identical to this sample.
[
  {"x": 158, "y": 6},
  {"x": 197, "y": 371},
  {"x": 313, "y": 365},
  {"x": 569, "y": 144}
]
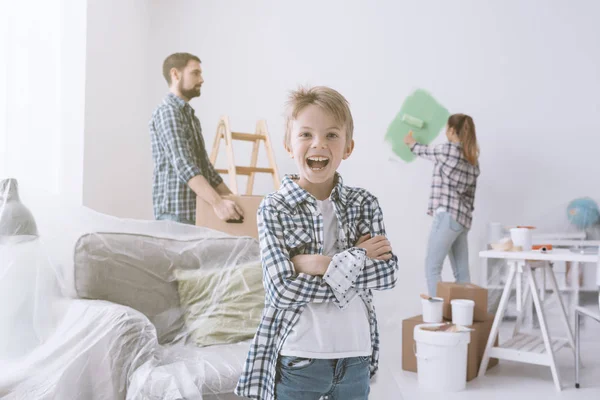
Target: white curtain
[
  {"x": 42, "y": 93},
  {"x": 30, "y": 92},
  {"x": 3, "y": 57}
]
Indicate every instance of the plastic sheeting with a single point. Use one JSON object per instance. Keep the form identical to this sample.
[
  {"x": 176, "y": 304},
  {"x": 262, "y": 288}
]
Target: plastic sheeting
[{"x": 90, "y": 309}]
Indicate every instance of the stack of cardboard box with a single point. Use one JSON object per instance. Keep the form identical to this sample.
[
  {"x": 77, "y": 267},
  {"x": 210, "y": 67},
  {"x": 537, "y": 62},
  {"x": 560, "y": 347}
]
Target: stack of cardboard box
[{"x": 482, "y": 325}]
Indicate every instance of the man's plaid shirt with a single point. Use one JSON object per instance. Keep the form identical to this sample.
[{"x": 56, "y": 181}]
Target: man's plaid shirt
[
  {"x": 289, "y": 224},
  {"x": 179, "y": 154},
  {"x": 454, "y": 181}
]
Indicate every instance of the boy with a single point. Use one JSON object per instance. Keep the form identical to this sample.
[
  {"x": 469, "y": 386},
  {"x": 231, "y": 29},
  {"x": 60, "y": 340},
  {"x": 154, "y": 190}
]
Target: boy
[{"x": 323, "y": 249}]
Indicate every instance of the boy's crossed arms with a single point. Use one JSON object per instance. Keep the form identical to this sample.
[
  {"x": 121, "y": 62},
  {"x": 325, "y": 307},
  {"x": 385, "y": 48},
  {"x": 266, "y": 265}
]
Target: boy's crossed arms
[
  {"x": 306, "y": 278},
  {"x": 377, "y": 247}
]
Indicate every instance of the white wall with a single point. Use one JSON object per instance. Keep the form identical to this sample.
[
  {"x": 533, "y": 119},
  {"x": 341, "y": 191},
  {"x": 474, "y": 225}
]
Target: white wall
[
  {"x": 72, "y": 98},
  {"x": 117, "y": 162},
  {"x": 526, "y": 71}
]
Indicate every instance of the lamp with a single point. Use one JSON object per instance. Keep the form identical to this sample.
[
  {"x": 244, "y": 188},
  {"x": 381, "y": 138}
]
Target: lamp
[{"x": 15, "y": 218}]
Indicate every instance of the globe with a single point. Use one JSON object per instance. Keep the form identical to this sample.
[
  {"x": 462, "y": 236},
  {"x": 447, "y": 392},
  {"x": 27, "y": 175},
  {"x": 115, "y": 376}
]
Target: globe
[{"x": 583, "y": 212}]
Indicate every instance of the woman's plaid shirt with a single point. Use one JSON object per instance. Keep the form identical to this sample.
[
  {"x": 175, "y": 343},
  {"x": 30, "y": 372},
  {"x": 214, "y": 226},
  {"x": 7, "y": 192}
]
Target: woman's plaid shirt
[{"x": 453, "y": 183}]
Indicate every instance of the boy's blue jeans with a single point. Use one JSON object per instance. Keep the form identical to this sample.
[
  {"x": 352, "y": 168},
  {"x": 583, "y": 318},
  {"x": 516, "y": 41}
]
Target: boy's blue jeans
[
  {"x": 314, "y": 379},
  {"x": 447, "y": 237}
]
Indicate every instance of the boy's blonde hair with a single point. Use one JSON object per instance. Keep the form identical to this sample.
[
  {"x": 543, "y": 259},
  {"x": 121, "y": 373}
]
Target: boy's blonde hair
[{"x": 327, "y": 99}]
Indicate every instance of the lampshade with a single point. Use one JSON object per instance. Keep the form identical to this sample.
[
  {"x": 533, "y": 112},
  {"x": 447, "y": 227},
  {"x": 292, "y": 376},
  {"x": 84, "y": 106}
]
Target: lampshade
[{"x": 15, "y": 218}]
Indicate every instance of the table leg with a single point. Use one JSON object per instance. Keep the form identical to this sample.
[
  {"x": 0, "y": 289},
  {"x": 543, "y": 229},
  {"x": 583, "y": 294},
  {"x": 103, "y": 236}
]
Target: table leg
[
  {"x": 484, "y": 274},
  {"x": 498, "y": 318},
  {"x": 564, "y": 318},
  {"x": 577, "y": 349},
  {"x": 545, "y": 334},
  {"x": 577, "y": 287},
  {"x": 525, "y": 310},
  {"x": 543, "y": 291}
]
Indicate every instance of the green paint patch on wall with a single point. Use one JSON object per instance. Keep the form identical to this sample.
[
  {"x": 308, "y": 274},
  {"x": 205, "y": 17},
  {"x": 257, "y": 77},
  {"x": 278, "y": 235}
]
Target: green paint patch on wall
[{"x": 422, "y": 114}]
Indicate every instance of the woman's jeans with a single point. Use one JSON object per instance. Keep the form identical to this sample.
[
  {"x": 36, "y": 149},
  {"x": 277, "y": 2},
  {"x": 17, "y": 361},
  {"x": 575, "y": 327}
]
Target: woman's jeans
[{"x": 447, "y": 237}]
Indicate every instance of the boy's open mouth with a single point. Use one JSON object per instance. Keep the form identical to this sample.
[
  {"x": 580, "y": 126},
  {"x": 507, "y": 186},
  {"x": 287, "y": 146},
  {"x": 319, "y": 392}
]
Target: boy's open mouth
[{"x": 317, "y": 163}]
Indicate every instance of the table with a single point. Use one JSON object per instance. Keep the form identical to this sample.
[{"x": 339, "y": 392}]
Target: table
[
  {"x": 525, "y": 347},
  {"x": 574, "y": 288}
]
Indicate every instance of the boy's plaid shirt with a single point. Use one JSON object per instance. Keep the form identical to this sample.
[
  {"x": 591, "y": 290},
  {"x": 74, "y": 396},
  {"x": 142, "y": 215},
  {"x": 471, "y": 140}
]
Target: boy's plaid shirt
[
  {"x": 454, "y": 181},
  {"x": 290, "y": 224}
]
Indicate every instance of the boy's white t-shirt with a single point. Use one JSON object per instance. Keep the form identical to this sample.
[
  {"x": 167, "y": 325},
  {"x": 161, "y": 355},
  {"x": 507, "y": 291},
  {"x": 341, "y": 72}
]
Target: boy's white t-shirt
[{"x": 323, "y": 329}]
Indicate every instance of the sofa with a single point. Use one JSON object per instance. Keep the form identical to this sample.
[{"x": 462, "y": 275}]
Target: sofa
[
  {"x": 121, "y": 332},
  {"x": 137, "y": 271}
]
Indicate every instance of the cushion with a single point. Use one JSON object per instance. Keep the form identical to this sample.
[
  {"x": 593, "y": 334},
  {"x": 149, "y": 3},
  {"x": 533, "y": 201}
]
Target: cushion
[
  {"x": 136, "y": 270},
  {"x": 222, "y": 305}
]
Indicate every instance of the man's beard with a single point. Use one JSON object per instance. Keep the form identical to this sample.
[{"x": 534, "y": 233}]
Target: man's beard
[{"x": 189, "y": 93}]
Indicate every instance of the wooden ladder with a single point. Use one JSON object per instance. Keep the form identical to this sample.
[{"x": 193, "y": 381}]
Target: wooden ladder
[{"x": 261, "y": 134}]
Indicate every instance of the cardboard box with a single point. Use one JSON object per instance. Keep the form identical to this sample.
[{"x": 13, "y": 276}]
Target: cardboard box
[
  {"x": 451, "y": 290},
  {"x": 205, "y": 216},
  {"x": 475, "y": 349}
]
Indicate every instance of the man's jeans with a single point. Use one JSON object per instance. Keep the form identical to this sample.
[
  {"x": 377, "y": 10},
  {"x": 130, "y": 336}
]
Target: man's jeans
[{"x": 176, "y": 218}]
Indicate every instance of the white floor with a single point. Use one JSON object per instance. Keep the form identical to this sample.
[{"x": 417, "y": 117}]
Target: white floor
[{"x": 508, "y": 380}]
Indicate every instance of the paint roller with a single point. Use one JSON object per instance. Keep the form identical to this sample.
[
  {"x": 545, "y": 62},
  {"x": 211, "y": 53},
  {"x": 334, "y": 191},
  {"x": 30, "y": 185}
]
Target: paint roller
[{"x": 413, "y": 121}]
